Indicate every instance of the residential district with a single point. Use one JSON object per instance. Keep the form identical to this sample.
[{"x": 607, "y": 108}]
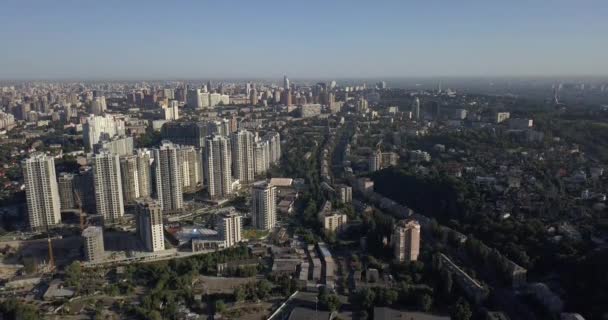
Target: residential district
[{"x": 252, "y": 200}]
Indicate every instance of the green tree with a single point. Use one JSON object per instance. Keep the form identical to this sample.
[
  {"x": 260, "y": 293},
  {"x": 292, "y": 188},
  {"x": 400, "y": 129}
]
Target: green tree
[
  {"x": 425, "y": 301},
  {"x": 14, "y": 309},
  {"x": 263, "y": 289},
  {"x": 220, "y": 306},
  {"x": 329, "y": 301},
  {"x": 73, "y": 274},
  {"x": 239, "y": 294},
  {"x": 154, "y": 315},
  {"x": 461, "y": 310},
  {"x": 365, "y": 298}
]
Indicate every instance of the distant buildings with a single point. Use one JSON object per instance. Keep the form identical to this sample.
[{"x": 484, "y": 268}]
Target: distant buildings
[
  {"x": 375, "y": 161},
  {"x": 501, "y": 116},
  {"x": 98, "y": 106},
  {"x": 406, "y": 240},
  {"x": 150, "y": 225},
  {"x": 185, "y": 133},
  {"x": 119, "y": 145},
  {"x": 94, "y": 250},
  {"x": 7, "y": 120},
  {"x": 263, "y": 205},
  {"x": 97, "y": 127},
  {"x": 169, "y": 184},
  {"x": 274, "y": 145},
  {"x": 41, "y": 191},
  {"x": 108, "y": 186},
  {"x": 217, "y": 170},
  {"x": 310, "y": 110},
  {"x": 416, "y": 109},
  {"x": 171, "y": 112},
  {"x": 472, "y": 288}
]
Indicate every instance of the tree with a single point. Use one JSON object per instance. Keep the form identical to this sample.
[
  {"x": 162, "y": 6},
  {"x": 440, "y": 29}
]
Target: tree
[
  {"x": 239, "y": 294},
  {"x": 461, "y": 310},
  {"x": 425, "y": 301},
  {"x": 14, "y": 309},
  {"x": 220, "y": 306},
  {"x": 29, "y": 265},
  {"x": 155, "y": 315},
  {"x": 329, "y": 301},
  {"x": 73, "y": 273},
  {"x": 263, "y": 289},
  {"x": 365, "y": 298},
  {"x": 390, "y": 296}
]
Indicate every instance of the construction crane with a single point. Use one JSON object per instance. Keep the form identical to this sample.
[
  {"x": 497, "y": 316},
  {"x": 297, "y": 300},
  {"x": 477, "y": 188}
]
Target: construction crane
[
  {"x": 80, "y": 214},
  {"x": 51, "y": 256}
]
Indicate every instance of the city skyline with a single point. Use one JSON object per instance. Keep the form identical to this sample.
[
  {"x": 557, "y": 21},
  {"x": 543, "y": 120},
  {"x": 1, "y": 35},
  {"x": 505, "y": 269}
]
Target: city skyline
[{"x": 62, "y": 40}]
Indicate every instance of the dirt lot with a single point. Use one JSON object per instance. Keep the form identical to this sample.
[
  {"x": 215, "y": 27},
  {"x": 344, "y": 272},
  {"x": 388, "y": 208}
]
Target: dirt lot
[{"x": 213, "y": 285}]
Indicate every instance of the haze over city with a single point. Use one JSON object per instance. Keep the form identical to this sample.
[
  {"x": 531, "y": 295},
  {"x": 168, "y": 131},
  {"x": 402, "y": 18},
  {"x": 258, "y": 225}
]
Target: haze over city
[
  {"x": 306, "y": 39},
  {"x": 304, "y": 160}
]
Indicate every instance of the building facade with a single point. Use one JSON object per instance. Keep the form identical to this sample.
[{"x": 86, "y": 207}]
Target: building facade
[
  {"x": 242, "y": 156},
  {"x": 169, "y": 185},
  {"x": 229, "y": 226},
  {"x": 263, "y": 205},
  {"x": 217, "y": 170},
  {"x": 94, "y": 250},
  {"x": 66, "y": 191},
  {"x": 41, "y": 191},
  {"x": 150, "y": 225},
  {"x": 406, "y": 240},
  {"x": 108, "y": 186}
]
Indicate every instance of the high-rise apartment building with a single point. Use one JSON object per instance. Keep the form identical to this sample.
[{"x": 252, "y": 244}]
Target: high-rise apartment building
[
  {"x": 406, "y": 240},
  {"x": 65, "y": 182},
  {"x": 108, "y": 186},
  {"x": 84, "y": 190},
  {"x": 263, "y": 205},
  {"x": 416, "y": 109},
  {"x": 185, "y": 133},
  {"x": 375, "y": 161},
  {"x": 98, "y": 105},
  {"x": 194, "y": 99},
  {"x": 218, "y": 172},
  {"x": 144, "y": 176},
  {"x": 243, "y": 166},
  {"x": 219, "y": 127},
  {"x": 168, "y": 177},
  {"x": 261, "y": 157},
  {"x": 190, "y": 159},
  {"x": 171, "y": 111},
  {"x": 130, "y": 178},
  {"x": 274, "y": 145},
  {"x": 150, "y": 225},
  {"x": 41, "y": 191},
  {"x": 94, "y": 250},
  {"x": 229, "y": 225}
]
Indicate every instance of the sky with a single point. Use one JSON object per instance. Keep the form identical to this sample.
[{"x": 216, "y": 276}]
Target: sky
[{"x": 126, "y": 39}]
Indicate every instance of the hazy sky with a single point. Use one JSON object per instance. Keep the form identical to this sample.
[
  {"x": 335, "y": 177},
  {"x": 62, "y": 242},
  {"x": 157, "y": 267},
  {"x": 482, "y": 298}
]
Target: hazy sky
[{"x": 315, "y": 39}]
